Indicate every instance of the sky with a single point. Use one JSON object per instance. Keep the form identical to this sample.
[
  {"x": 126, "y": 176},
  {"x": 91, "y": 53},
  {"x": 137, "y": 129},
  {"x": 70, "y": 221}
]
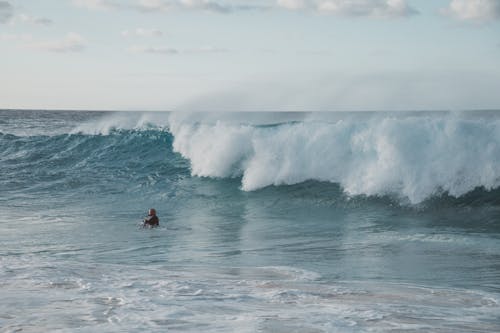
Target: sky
[{"x": 242, "y": 55}]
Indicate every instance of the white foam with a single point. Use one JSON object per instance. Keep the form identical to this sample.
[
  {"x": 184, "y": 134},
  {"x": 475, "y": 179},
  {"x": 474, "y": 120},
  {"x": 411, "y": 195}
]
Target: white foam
[
  {"x": 412, "y": 157},
  {"x": 122, "y": 121}
]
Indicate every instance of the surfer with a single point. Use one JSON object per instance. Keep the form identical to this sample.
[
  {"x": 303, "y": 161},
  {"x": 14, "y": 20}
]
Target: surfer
[{"x": 151, "y": 220}]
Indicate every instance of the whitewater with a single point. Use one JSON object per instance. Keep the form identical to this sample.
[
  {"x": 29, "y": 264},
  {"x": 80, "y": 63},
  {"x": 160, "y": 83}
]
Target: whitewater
[{"x": 269, "y": 222}]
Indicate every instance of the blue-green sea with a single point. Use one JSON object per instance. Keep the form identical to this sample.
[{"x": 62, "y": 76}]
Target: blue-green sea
[{"x": 269, "y": 222}]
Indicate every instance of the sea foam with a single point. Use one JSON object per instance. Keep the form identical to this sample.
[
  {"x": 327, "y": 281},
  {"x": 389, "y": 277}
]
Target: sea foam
[{"x": 413, "y": 157}]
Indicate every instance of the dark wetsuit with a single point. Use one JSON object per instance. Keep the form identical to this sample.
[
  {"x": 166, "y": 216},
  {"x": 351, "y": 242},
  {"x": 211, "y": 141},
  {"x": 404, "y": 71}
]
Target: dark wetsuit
[{"x": 151, "y": 220}]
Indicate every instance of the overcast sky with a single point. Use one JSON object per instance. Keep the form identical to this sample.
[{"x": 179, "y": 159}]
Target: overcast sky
[{"x": 250, "y": 55}]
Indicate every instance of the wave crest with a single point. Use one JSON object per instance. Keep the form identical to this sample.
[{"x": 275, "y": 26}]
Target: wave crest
[{"x": 414, "y": 157}]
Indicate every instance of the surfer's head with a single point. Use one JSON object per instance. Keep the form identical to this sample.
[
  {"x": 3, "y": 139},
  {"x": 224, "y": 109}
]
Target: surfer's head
[{"x": 152, "y": 212}]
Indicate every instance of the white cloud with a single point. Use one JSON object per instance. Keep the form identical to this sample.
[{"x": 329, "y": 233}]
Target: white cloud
[
  {"x": 165, "y": 5},
  {"x": 141, "y": 32},
  {"x": 206, "y": 5},
  {"x": 294, "y": 4},
  {"x": 154, "y": 50},
  {"x": 16, "y": 37},
  {"x": 154, "y": 5},
  {"x": 371, "y": 8},
  {"x": 203, "y": 5},
  {"x": 474, "y": 10},
  {"x": 72, "y": 42},
  {"x": 6, "y": 11},
  {"x": 96, "y": 4},
  {"x": 206, "y": 49},
  {"x": 162, "y": 50},
  {"x": 24, "y": 18}
]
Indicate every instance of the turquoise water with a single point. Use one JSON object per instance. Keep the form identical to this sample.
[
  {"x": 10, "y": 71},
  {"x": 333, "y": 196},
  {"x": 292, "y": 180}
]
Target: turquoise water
[{"x": 269, "y": 222}]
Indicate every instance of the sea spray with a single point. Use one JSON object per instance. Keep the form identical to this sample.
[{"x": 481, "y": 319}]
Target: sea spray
[{"x": 413, "y": 157}]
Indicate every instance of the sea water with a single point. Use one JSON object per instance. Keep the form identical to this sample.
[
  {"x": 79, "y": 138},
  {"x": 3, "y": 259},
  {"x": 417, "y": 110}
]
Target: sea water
[{"x": 270, "y": 222}]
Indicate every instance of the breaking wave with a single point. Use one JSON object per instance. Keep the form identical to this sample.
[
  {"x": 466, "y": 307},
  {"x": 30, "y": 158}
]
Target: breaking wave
[{"x": 411, "y": 156}]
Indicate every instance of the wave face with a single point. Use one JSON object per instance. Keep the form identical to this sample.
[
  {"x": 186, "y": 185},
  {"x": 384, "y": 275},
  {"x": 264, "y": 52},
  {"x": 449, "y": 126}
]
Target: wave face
[
  {"x": 410, "y": 156},
  {"x": 40, "y": 161}
]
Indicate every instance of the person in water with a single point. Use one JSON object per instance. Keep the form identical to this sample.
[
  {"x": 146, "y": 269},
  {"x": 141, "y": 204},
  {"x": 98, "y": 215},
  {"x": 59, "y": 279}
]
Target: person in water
[{"x": 151, "y": 220}]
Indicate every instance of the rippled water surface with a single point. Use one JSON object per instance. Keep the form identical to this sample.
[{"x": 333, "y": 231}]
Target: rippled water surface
[{"x": 301, "y": 255}]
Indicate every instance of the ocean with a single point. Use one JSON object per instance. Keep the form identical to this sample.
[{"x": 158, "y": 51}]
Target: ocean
[{"x": 269, "y": 222}]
